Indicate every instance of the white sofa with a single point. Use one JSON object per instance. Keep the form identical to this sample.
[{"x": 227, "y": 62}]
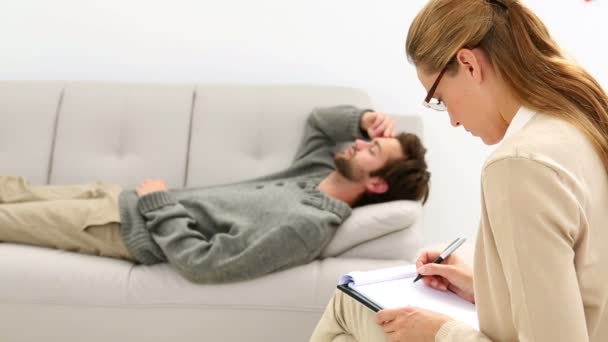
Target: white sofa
[{"x": 189, "y": 135}]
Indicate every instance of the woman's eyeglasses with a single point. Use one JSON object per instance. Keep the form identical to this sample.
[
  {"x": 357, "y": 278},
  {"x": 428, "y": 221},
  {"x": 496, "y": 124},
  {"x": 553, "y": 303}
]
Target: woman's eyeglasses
[{"x": 431, "y": 102}]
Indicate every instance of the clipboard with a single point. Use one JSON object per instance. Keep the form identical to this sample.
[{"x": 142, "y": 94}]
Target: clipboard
[
  {"x": 393, "y": 287},
  {"x": 375, "y": 307}
]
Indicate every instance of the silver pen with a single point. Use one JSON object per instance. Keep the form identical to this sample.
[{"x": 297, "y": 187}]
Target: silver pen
[{"x": 445, "y": 254}]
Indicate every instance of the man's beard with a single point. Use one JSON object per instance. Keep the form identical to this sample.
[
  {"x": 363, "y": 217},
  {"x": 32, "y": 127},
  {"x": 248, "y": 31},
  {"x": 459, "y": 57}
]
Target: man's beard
[{"x": 347, "y": 168}]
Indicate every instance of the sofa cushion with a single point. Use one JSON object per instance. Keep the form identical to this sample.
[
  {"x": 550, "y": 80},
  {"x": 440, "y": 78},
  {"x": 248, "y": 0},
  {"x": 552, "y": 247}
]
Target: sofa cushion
[
  {"x": 122, "y": 133},
  {"x": 258, "y": 134},
  {"x": 48, "y": 276},
  {"x": 370, "y": 222},
  {"x": 27, "y": 127}
]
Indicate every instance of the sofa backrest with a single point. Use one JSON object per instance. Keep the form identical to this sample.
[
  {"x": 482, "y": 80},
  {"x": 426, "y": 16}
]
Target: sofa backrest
[{"x": 186, "y": 134}]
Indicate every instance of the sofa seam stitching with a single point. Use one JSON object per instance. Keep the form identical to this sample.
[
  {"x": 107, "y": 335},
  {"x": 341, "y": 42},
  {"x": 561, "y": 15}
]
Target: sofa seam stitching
[
  {"x": 54, "y": 140},
  {"x": 192, "y": 104}
]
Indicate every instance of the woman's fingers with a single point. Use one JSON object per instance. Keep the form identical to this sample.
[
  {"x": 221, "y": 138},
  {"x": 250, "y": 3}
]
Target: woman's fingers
[
  {"x": 427, "y": 256},
  {"x": 448, "y": 272}
]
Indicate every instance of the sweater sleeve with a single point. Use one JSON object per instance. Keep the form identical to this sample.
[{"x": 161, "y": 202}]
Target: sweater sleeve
[
  {"x": 327, "y": 126},
  {"x": 534, "y": 220},
  {"x": 224, "y": 257},
  {"x": 459, "y": 331}
]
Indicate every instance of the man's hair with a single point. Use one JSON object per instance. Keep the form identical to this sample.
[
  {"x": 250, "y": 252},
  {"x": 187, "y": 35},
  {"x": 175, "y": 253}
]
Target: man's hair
[{"x": 407, "y": 178}]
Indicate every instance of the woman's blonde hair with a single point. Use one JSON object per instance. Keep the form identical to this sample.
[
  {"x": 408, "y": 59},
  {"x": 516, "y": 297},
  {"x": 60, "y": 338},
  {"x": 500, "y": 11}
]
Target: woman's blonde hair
[{"x": 522, "y": 53}]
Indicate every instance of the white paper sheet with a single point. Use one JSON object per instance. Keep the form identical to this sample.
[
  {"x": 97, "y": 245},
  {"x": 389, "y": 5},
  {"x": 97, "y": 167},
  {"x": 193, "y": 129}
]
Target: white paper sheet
[{"x": 394, "y": 288}]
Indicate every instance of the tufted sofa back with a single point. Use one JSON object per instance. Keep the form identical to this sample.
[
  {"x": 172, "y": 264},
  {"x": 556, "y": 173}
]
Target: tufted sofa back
[{"x": 186, "y": 134}]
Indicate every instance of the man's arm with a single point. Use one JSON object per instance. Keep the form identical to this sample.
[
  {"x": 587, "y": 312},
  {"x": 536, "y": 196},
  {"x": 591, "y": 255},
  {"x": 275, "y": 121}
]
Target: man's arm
[
  {"x": 327, "y": 126},
  {"x": 225, "y": 257}
]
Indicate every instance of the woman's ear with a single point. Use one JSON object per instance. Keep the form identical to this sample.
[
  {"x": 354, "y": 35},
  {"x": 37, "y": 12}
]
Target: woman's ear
[
  {"x": 470, "y": 61},
  {"x": 376, "y": 185}
]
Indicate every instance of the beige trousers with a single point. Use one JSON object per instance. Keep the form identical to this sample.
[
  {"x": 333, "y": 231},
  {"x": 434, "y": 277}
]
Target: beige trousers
[
  {"x": 82, "y": 218},
  {"x": 346, "y": 320}
]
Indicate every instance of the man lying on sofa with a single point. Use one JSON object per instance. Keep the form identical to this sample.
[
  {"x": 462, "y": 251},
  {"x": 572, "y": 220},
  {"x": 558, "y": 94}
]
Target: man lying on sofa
[{"x": 231, "y": 232}]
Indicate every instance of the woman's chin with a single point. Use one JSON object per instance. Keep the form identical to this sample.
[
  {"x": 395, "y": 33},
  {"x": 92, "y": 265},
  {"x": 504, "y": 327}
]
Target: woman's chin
[{"x": 490, "y": 140}]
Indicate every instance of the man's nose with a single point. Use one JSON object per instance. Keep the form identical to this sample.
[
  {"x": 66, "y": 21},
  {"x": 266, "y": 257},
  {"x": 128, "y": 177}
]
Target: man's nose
[{"x": 361, "y": 144}]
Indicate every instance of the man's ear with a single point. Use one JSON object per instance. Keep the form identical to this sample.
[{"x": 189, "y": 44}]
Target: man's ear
[{"x": 376, "y": 185}]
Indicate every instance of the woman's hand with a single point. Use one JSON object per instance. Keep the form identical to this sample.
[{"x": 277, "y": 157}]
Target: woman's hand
[
  {"x": 452, "y": 274},
  {"x": 151, "y": 185},
  {"x": 378, "y": 125},
  {"x": 410, "y": 324}
]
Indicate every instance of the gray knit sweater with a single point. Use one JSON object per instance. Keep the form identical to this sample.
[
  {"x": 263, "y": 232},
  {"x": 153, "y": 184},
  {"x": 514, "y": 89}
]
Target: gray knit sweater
[{"x": 248, "y": 229}]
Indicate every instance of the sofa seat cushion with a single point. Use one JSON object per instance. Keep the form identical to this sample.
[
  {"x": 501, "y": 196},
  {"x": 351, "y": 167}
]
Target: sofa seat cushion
[{"x": 34, "y": 275}]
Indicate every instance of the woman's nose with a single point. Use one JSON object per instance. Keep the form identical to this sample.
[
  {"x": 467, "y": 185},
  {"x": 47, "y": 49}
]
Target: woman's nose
[{"x": 452, "y": 120}]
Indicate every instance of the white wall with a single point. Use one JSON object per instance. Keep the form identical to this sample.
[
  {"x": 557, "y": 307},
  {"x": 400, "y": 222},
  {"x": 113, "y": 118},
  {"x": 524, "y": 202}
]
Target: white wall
[{"x": 350, "y": 43}]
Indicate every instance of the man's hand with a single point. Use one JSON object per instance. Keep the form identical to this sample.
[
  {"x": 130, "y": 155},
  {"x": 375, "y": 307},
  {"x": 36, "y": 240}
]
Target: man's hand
[
  {"x": 410, "y": 324},
  {"x": 151, "y": 185},
  {"x": 378, "y": 125}
]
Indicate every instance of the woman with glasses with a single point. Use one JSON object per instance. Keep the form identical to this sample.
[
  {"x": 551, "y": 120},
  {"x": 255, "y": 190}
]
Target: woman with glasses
[{"x": 540, "y": 268}]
